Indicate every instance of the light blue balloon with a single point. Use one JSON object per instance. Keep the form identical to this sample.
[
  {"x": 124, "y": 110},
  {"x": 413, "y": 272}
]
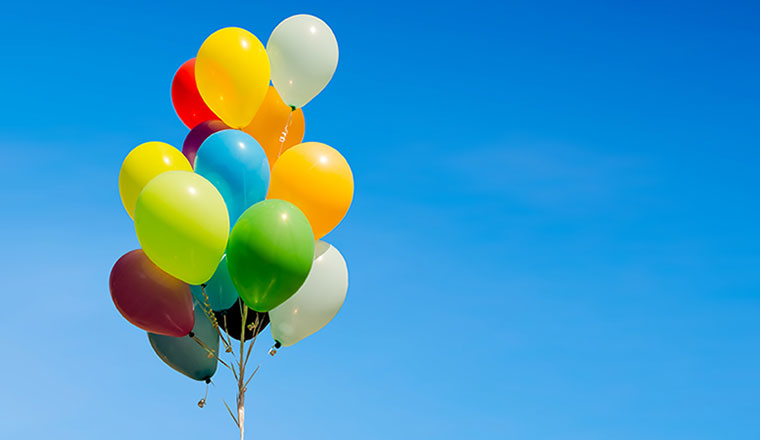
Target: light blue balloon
[
  {"x": 236, "y": 164},
  {"x": 219, "y": 289},
  {"x": 186, "y": 355}
]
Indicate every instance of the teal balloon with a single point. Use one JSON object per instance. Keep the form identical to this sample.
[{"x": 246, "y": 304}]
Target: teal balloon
[
  {"x": 237, "y": 166},
  {"x": 219, "y": 289},
  {"x": 184, "y": 354}
]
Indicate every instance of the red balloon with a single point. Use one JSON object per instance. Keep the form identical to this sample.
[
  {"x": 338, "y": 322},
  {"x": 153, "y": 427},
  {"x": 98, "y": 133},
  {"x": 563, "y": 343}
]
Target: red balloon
[
  {"x": 186, "y": 99},
  {"x": 150, "y": 298}
]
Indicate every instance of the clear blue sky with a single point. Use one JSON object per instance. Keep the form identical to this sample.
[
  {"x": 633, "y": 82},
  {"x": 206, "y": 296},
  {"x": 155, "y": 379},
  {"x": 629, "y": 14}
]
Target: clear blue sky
[{"x": 554, "y": 233}]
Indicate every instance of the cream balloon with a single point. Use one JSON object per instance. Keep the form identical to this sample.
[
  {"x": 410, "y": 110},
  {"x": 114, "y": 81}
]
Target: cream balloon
[
  {"x": 317, "y": 301},
  {"x": 303, "y": 54}
]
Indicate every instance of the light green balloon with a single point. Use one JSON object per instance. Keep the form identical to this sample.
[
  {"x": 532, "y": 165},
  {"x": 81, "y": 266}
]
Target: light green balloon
[
  {"x": 182, "y": 225},
  {"x": 317, "y": 301},
  {"x": 303, "y": 54},
  {"x": 184, "y": 354}
]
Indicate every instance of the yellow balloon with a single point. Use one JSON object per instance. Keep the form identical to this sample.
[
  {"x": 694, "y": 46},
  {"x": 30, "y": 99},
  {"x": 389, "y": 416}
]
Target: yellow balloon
[
  {"x": 317, "y": 179},
  {"x": 182, "y": 225},
  {"x": 142, "y": 164},
  {"x": 232, "y": 73}
]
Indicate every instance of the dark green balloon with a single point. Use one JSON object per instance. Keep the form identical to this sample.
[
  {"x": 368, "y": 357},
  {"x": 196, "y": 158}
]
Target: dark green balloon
[
  {"x": 186, "y": 355},
  {"x": 269, "y": 253}
]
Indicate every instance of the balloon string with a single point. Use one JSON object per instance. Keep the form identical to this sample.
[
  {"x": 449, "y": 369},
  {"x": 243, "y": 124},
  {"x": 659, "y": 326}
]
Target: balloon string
[
  {"x": 228, "y": 340},
  {"x": 210, "y": 352},
  {"x": 207, "y": 308},
  {"x": 284, "y": 133},
  {"x": 202, "y": 402},
  {"x": 212, "y": 317}
]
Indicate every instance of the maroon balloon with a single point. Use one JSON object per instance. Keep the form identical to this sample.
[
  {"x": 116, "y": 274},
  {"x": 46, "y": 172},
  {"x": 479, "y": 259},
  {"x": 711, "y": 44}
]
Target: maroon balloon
[
  {"x": 150, "y": 298},
  {"x": 199, "y": 134}
]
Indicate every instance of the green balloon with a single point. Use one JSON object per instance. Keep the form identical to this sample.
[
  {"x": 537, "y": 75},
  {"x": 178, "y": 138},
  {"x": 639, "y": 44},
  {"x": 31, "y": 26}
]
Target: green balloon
[
  {"x": 269, "y": 254},
  {"x": 184, "y": 354}
]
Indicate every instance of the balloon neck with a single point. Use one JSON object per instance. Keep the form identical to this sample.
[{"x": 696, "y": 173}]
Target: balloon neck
[
  {"x": 277, "y": 344},
  {"x": 208, "y": 380},
  {"x": 293, "y": 108},
  {"x": 191, "y": 334}
]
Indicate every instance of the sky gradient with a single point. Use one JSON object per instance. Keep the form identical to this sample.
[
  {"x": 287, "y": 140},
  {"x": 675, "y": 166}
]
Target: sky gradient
[{"x": 554, "y": 233}]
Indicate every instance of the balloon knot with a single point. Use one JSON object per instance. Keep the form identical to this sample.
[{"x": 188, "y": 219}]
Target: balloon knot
[
  {"x": 293, "y": 108},
  {"x": 273, "y": 350},
  {"x": 208, "y": 380},
  {"x": 191, "y": 334}
]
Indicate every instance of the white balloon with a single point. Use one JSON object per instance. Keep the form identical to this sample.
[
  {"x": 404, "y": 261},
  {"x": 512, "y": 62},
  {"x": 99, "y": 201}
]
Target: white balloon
[
  {"x": 317, "y": 301},
  {"x": 303, "y": 54}
]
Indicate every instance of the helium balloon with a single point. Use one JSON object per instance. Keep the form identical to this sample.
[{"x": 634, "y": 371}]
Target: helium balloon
[
  {"x": 219, "y": 289},
  {"x": 186, "y": 99},
  {"x": 182, "y": 225},
  {"x": 270, "y": 253},
  {"x": 199, "y": 134},
  {"x": 232, "y": 71},
  {"x": 318, "y": 180},
  {"x": 276, "y": 126},
  {"x": 304, "y": 55},
  {"x": 237, "y": 166},
  {"x": 142, "y": 164},
  {"x": 150, "y": 298},
  {"x": 231, "y": 320},
  {"x": 185, "y": 354},
  {"x": 317, "y": 301}
]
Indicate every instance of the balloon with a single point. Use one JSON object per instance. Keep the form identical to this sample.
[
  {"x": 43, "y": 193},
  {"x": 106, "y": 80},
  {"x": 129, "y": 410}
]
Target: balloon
[
  {"x": 276, "y": 126},
  {"x": 237, "y": 166},
  {"x": 318, "y": 180},
  {"x": 317, "y": 302},
  {"x": 269, "y": 253},
  {"x": 142, "y": 164},
  {"x": 185, "y": 354},
  {"x": 232, "y": 71},
  {"x": 220, "y": 291},
  {"x": 199, "y": 134},
  {"x": 304, "y": 55},
  {"x": 186, "y": 99},
  {"x": 231, "y": 319},
  {"x": 149, "y": 297},
  {"x": 182, "y": 225}
]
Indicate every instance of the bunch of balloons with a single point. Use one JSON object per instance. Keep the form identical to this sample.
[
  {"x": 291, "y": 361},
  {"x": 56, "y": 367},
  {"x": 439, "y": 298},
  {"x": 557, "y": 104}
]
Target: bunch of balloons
[{"x": 233, "y": 222}]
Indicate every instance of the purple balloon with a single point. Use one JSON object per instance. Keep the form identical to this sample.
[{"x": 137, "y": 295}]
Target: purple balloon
[{"x": 199, "y": 134}]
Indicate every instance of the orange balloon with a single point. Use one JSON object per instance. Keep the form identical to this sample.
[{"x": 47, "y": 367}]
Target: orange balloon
[
  {"x": 318, "y": 180},
  {"x": 274, "y": 127}
]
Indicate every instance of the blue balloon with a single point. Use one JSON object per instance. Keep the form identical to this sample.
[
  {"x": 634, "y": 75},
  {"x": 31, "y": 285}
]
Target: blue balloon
[
  {"x": 219, "y": 289},
  {"x": 186, "y": 355},
  {"x": 236, "y": 164}
]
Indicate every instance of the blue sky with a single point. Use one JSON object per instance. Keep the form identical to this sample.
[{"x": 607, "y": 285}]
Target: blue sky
[{"x": 554, "y": 233}]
